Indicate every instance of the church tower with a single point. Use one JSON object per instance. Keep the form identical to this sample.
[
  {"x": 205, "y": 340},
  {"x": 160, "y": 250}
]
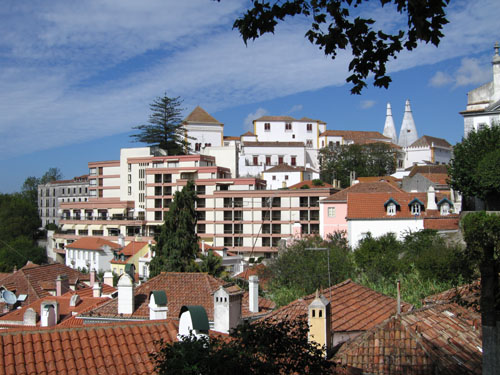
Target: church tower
[
  {"x": 408, "y": 133},
  {"x": 389, "y": 128}
]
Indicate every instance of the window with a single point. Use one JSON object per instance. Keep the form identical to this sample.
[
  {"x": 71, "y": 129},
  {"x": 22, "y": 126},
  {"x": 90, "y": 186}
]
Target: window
[
  {"x": 268, "y": 160},
  {"x": 288, "y": 127},
  {"x": 280, "y": 160},
  {"x": 391, "y": 209},
  {"x": 129, "y": 178},
  {"x": 293, "y": 160},
  {"x": 286, "y": 177},
  {"x": 445, "y": 209},
  {"x": 255, "y": 160},
  {"x": 322, "y": 143},
  {"x": 331, "y": 211},
  {"x": 130, "y": 167},
  {"x": 197, "y": 146},
  {"x": 274, "y": 178},
  {"x": 415, "y": 209},
  {"x": 309, "y": 127},
  {"x": 267, "y": 127},
  {"x": 309, "y": 143},
  {"x": 130, "y": 190}
]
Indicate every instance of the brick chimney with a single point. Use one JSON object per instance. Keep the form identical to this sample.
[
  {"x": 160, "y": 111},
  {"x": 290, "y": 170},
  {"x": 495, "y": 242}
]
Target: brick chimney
[{"x": 62, "y": 285}]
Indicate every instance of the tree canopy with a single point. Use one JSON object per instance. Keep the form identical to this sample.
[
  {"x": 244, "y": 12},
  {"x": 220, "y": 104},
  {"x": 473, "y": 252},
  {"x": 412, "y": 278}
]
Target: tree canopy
[
  {"x": 279, "y": 347},
  {"x": 164, "y": 128},
  {"x": 373, "y": 159},
  {"x": 474, "y": 168},
  {"x": 177, "y": 244},
  {"x": 340, "y": 24}
]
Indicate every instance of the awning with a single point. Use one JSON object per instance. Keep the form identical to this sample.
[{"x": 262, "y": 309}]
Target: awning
[
  {"x": 116, "y": 211},
  {"x": 68, "y": 226},
  {"x": 112, "y": 226},
  {"x": 95, "y": 227},
  {"x": 81, "y": 226}
]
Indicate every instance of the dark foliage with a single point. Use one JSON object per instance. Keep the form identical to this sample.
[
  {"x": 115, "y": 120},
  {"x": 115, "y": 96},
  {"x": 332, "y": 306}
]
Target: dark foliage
[
  {"x": 337, "y": 25},
  {"x": 165, "y": 126},
  {"x": 177, "y": 244},
  {"x": 260, "y": 348}
]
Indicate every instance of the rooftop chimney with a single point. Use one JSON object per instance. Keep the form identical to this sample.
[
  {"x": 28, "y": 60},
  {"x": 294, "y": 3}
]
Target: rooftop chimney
[
  {"x": 125, "y": 295},
  {"x": 121, "y": 240},
  {"x": 62, "y": 285},
  {"x": 49, "y": 313},
  {"x": 92, "y": 278},
  {"x": 319, "y": 318},
  {"x": 96, "y": 290},
  {"x": 253, "y": 298},
  {"x": 29, "y": 317},
  {"x": 431, "y": 199},
  {"x": 158, "y": 308},
  {"x": 108, "y": 278}
]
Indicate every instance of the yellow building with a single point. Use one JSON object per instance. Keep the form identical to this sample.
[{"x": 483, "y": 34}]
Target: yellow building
[{"x": 126, "y": 260}]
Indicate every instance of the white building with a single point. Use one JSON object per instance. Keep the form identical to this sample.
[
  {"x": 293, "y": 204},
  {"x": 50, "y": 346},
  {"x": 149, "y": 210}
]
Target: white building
[
  {"x": 284, "y": 175},
  {"x": 427, "y": 150},
  {"x": 483, "y": 103},
  {"x": 202, "y": 130},
  {"x": 91, "y": 253}
]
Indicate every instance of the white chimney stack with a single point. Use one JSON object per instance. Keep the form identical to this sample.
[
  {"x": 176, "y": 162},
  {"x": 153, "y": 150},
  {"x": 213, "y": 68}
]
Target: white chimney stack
[
  {"x": 158, "y": 307},
  {"x": 431, "y": 199},
  {"x": 96, "y": 290},
  {"x": 92, "y": 278},
  {"x": 125, "y": 295},
  {"x": 108, "y": 278},
  {"x": 121, "y": 240},
  {"x": 253, "y": 298}
]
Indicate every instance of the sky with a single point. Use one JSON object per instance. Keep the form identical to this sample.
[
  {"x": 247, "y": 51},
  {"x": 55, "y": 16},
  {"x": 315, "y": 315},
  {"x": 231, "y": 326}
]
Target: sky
[{"x": 76, "y": 77}]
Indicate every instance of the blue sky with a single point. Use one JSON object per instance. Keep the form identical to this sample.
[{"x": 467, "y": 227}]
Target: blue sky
[{"x": 76, "y": 77}]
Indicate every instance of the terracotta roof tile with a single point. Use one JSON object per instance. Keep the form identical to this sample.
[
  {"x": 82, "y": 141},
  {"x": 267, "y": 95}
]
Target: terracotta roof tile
[
  {"x": 274, "y": 144},
  {"x": 356, "y": 135},
  {"x": 438, "y": 178},
  {"x": 427, "y": 140},
  {"x": 468, "y": 295},
  {"x": 363, "y": 187},
  {"x": 92, "y": 243},
  {"x": 432, "y": 168},
  {"x": 200, "y": 116},
  {"x": 310, "y": 184},
  {"x": 354, "y": 307},
  {"x": 101, "y": 349},
  {"x": 133, "y": 247},
  {"x": 438, "y": 339}
]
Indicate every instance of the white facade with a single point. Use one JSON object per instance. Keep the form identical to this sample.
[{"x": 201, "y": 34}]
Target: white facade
[
  {"x": 359, "y": 229},
  {"x": 89, "y": 259},
  {"x": 288, "y": 129},
  {"x": 483, "y": 103},
  {"x": 285, "y": 176}
]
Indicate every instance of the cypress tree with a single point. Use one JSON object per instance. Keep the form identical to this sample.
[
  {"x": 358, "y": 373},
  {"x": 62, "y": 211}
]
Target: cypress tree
[{"x": 177, "y": 244}]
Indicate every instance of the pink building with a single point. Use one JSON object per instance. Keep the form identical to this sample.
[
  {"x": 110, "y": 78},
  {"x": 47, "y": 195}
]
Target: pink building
[{"x": 333, "y": 209}]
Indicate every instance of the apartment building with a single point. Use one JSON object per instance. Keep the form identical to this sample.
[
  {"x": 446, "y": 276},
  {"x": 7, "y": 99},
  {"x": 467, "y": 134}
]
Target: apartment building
[
  {"x": 52, "y": 194},
  {"x": 131, "y": 196}
]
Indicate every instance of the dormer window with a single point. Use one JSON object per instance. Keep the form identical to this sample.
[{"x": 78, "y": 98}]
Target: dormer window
[
  {"x": 445, "y": 206},
  {"x": 391, "y": 207},
  {"x": 415, "y": 209}
]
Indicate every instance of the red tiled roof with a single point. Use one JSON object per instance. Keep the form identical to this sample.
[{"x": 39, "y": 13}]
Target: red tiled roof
[
  {"x": 362, "y": 187},
  {"x": 66, "y": 311},
  {"x": 231, "y": 138},
  {"x": 466, "y": 295},
  {"x": 181, "y": 288},
  {"x": 427, "y": 140},
  {"x": 390, "y": 179},
  {"x": 274, "y": 144},
  {"x": 353, "y": 307},
  {"x": 133, "y": 247},
  {"x": 310, "y": 184},
  {"x": 432, "y": 168},
  {"x": 355, "y": 135},
  {"x": 122, "y": 348},
  {"x": 92, "y": 243},
  {"x": 30, "y": 279},
  {"x": 275, "y": 118},
  {"x": 371, "y": 206},
  {"x": 200, "y": 116},
  {"x": 449, "y": 222},
  {"x": 248, "y": 134},
  {"x": 438, "y": 339}
]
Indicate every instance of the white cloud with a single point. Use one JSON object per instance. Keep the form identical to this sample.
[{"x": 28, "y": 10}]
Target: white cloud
[
  {"x": 441, "y": 79},
  {"x": 365, "y": 104},
  {"x": 248, "y": 123},
  {"x": 77, "y": 71},
  {"x": 472, "y": 71},
  {"x": 295, "y": 108}
]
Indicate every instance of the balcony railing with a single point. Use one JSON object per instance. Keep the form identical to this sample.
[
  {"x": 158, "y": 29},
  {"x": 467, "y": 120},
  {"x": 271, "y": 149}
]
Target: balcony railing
[{"x": 133, "y": 218}]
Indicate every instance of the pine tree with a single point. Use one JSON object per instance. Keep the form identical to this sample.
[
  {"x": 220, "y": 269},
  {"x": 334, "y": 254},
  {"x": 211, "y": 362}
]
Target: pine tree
[
  {"x": 177, "y": 244},
  {"x": 165, "y": 126}
]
